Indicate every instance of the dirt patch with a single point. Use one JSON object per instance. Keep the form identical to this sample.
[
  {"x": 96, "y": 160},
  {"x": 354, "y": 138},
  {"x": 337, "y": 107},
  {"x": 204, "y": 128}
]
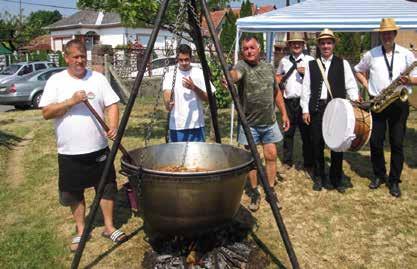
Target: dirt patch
[{"x": 15, "y": 173}]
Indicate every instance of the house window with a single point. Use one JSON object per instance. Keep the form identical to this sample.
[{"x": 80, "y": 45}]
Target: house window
[{"x": 142, "y": 39}]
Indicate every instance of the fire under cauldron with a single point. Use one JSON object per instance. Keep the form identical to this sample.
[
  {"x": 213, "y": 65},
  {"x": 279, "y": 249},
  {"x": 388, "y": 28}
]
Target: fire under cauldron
[{"x": 189, "y": 203}]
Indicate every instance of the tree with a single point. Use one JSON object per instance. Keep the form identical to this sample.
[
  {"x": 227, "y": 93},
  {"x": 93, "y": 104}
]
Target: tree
[
  {"x": 138, "y": 13},
  {"x": 349, "y": 46},
  {"x": 33, "y": 25},
  {"x": 228, "y": 34},
  {"x": 245, "y": 11},
  {"x": 8, "y": 26}
]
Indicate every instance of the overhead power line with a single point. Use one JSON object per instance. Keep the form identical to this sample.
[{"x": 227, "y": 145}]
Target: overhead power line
[{"x": 41, "y": 5}]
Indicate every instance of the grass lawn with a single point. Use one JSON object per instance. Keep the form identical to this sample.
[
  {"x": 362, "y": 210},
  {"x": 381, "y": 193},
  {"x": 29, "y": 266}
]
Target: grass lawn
[{"x": 360, "y": 229}]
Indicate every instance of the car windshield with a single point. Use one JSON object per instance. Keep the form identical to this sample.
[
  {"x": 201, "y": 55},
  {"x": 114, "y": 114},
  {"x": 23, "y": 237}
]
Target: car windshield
[{"x": 11, "y": 69}]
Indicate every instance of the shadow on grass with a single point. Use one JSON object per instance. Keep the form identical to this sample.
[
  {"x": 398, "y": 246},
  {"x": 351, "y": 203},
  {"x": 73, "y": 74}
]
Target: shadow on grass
[
  {"x": 110, "y": 250},
  {"x": 265, "y": 249},
  {"x": 362, "y": 165},
  {"x": 410, "y": 146},
  {"x": 122, "y": 210},
  {"x": 9, "y": 140}
]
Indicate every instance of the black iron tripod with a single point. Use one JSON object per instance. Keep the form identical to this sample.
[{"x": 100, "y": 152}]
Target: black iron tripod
[{"x": 271, "y": 198}]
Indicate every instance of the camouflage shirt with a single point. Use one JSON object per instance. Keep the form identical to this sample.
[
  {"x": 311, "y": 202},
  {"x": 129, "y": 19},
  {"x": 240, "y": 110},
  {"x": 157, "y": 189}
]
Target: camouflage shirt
[{"x": 256, "y": 91}]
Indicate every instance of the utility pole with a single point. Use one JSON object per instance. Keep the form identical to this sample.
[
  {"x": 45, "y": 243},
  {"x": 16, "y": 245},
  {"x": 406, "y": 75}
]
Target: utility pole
[{"x": 20, "y": 13}]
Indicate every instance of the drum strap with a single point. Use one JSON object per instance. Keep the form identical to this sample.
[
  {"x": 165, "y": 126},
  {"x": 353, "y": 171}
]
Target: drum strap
[{"x": 323, "y": 74}]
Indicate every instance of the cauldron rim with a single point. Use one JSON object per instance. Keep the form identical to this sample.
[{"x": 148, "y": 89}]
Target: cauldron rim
[{"x": 132, "y": 167}]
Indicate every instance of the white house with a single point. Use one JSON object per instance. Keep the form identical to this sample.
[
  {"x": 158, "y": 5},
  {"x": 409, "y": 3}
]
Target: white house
[{"x": 95, "y": 27}]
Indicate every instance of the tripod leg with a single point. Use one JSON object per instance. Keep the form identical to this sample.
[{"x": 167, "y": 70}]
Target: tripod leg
[
  {"x": 206, "y": 70},
  {"x": 272, "y": 200},
  {"x": 122, "y": 127}
]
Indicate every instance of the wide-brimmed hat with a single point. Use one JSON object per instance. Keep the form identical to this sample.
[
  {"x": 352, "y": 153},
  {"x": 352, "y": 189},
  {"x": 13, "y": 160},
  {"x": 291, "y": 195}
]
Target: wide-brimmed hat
[
  {"x": 327, "y": 33},
  {"x": 296, "y": 37},
  {"x": 387, "y": 24}
]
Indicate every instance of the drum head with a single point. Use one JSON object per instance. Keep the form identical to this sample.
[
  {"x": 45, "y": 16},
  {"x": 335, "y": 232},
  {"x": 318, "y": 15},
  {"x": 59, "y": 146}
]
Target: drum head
[{"x": 339, "y": 125}]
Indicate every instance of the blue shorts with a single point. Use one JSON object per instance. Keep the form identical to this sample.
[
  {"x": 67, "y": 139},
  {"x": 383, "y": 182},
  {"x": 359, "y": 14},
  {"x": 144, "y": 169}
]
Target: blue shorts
[
  {"x": 262, "y": 134},
  {"x": 187, "y": 135}
]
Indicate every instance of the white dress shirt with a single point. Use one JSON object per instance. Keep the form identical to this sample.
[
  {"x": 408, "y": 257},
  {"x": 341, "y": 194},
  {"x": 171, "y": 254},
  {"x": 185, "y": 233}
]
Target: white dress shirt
[
  {"x": 352, "y": 90},
  {"x": 373, "y": 62},
  {"x": 294, "y": 83}
]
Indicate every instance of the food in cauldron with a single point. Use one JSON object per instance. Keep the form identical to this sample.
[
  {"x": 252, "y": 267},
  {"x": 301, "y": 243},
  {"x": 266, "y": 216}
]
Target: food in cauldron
[{"x": 181, "y": 168}]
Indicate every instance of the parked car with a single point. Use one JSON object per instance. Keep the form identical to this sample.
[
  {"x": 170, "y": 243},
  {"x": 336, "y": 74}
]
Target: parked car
[
  {"x": 26, "y": 91},
  {"x": 24, "y": 68},
  {"x": 157, "y": 66}
]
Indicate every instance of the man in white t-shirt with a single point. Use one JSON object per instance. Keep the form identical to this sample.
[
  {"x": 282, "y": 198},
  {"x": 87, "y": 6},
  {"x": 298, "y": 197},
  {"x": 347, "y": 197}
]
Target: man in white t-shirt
[
  {"x": 290, "y": 74},
  {"x": 382, "y": 65},
  {"x": 186, "y": 121},
  {"x": 81, "y": 142}
]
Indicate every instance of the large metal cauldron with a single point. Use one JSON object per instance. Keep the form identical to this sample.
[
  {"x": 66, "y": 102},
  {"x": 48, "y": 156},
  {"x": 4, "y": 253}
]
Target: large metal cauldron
[{"x": 186, "y": 203}]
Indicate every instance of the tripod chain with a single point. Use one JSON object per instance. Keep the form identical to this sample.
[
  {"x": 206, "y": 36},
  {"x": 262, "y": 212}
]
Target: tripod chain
[{"x": 178, "y": 26}]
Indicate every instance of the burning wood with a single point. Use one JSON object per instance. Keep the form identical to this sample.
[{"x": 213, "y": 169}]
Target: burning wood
[{"x": 225, "y": 247}]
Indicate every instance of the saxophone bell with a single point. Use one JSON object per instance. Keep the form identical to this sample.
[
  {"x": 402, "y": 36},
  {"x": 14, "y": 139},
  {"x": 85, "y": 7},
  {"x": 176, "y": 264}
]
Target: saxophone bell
[{"x": 404, "y": 94}]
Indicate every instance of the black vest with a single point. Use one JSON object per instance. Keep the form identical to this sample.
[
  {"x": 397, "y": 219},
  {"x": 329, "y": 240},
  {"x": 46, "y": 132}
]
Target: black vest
[{"x": 336, "y": 78}]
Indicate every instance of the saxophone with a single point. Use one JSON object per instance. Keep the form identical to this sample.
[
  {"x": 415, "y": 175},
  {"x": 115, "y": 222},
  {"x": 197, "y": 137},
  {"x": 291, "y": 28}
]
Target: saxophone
[{"x": 392, "y": 92}]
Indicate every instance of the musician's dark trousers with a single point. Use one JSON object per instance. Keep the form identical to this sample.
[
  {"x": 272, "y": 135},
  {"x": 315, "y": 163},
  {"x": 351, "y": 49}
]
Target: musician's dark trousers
[
  {"x": 395, "y": 116},
  {"x": 295, "y": 116},
  {"x": 336, "y": 169}
]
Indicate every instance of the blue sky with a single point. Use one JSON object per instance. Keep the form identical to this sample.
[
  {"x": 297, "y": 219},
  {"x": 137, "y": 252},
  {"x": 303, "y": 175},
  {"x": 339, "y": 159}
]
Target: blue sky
[{"x": 12, "y": 6}]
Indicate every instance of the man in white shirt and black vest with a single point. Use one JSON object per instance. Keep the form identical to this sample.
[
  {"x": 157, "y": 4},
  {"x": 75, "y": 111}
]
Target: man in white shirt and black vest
[
  {"x": 314, "y": 98},
  {"x": 382, "y": 65},
  {"x": 290, "y": 74}
]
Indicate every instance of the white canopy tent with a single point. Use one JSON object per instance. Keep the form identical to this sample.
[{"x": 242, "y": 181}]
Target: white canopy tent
[{"x": 338, "y": 15}]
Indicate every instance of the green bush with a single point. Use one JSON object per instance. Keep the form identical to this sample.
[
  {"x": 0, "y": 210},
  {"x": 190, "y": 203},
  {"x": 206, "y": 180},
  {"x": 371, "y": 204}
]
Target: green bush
[
  {"x": 223, "y": 98},
  {"x": 61, "y": 59},
  {"x": 41, "y": 56}
]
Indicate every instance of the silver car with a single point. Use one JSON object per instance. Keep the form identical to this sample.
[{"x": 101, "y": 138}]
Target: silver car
[
  {"x": 26, "y": 91},
  {"x": 24, "y": 68}
]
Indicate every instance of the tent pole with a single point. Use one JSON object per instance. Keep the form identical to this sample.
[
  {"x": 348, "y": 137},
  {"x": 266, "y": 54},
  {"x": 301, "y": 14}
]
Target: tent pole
[
  {"x": 269, "y": 45},
  {"x": 232, "y": 107}
]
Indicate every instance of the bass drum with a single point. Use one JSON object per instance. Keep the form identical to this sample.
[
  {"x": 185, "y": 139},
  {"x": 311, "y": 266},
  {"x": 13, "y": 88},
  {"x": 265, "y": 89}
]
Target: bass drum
[{"x": 346, "y": 127}]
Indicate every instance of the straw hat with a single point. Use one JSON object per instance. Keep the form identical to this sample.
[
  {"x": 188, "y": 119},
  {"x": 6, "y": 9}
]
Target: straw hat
[
  {"x": 387, "y": 24},
  {"x": 327, "y": 33},
  {"x": 296, "y": 37}
]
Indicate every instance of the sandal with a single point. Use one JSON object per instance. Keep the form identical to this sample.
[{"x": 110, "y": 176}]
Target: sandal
[
  {"x": 117, "y": 236},
  {"x": 74, "y": 243}
]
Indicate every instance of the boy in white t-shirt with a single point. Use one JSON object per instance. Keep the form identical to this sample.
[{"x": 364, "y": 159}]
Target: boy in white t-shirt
[
  {"x": 186, "y": 122},
  {"x": 81, "y": 142}
]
